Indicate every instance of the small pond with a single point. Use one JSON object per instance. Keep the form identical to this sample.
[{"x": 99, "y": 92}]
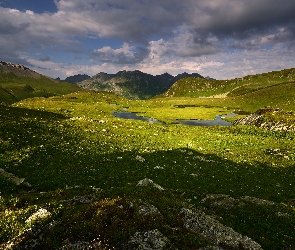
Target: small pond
[
  {"x": 193, "y": 122},
  {"x": 218, "y": 121},
  {"x": 134, "y": 116}
]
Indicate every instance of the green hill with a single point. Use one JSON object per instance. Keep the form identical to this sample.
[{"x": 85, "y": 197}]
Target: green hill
[
  {"x": 276, "y": 89},
  {"x": 20, "y": 83},
  {"x": 197, "y": 87}
]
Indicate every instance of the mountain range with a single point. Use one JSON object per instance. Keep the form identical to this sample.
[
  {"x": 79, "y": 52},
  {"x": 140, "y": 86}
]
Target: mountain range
[
  {"x": 130, "y": 84},
  {"x": 18, "y": 82}
]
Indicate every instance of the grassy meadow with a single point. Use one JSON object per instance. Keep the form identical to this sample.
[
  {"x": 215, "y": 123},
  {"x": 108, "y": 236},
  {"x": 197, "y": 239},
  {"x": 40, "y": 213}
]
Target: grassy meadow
[{"x": 71, "y": 146}]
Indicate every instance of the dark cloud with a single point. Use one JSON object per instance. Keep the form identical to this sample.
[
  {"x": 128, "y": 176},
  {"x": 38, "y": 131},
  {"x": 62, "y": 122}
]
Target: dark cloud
[
  {"x": 245, "y": 19},
  {"x": 196, "y": 51},
  {"x": 168, "y": 31},
  {"x": 125, "y": 55},
  {"x": 8, "y": 28},
  {"x": 75, "y": 51}
]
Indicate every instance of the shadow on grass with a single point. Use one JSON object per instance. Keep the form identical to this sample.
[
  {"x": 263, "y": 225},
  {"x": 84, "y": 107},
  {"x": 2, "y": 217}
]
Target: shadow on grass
[
  {"x": 185, "y": 174},
  {"x": 49, "y": 168},
  {"x": 15, "y": 113}
]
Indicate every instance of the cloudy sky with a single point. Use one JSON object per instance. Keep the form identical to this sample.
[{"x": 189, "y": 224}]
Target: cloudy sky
[{"x": 222, "y": 39}]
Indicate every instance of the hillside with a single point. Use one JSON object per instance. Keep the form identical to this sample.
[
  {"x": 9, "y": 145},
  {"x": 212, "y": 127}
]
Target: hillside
[
  {"x": 248, "y": 85},
  {"x": 133, "y": 84},
  {"x": 18, "y": 82}
]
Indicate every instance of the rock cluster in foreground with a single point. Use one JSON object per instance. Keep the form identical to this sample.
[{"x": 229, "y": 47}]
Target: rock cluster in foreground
[{"x": 189, "y": 219}]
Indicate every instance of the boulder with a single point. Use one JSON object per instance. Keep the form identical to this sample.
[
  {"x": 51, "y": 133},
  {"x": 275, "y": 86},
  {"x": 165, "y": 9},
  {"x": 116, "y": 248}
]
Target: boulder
[
  {"x": 147, "y": 182},
  {"x": 149, "y": 240},
  {"x": 215, "y": 232}
]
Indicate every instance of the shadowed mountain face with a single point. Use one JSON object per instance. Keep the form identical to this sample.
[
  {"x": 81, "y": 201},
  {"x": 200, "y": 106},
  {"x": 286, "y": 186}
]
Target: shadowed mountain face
[
  {"x": 77, "y": 78},
  {"x": 133, "y": 84}
]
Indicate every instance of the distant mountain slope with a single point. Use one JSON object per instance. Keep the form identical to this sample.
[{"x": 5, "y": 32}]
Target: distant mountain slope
[
  {"x": 18, "y": 82},
  {"x": 77, "y": 78},
  {"x": 197, "y": 87},
  {"x": 133, "y": 84}
]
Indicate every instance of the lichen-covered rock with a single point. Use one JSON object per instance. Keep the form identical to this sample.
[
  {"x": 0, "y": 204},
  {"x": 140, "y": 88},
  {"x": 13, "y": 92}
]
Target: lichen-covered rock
[
  {"x": 258, "y": 201},
  {"x": 80, "y": 199},
  {"x": 13, "y": 178},
  {"x": 254, "y": 118},
  {"x": 30, "y": 238},
  {"x": 149, "y": 240},
  {"x": 83, "y": 245},
  {"x": 148, "y": 182},
  {"x": 215, "y": 232},
  {"x": 41, "y": 214},
  {"x": 148, "y": 209},
  {"x": 258, "y": 119},
  {"x": 80, "y": 245},
  {"x": 227, "y": 202},
  {"x": 211, "y": 248}
]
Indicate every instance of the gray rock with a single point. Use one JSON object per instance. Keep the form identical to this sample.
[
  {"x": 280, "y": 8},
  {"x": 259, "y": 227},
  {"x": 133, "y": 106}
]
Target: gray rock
[
  {"x": 148, "y": 209},
  {"x": 80, "y": 245},
  {"x": 80, "y": 199},
  {"x": 83, "y": 245},
  {"x": 147, "y": 182},
  {"x": 215, "y": 232},
  {"x": 13, "y": 178},
  {"x": 41, "y": 214},
  {"x": 227, "y": 202},
  {"x": 211, "y": 248},
  {"x": 256, "y": 119},
  {"x": 149, "y": 240},
  {"x": 258, "y": 201},
  {"x": 30, "y": 238}
]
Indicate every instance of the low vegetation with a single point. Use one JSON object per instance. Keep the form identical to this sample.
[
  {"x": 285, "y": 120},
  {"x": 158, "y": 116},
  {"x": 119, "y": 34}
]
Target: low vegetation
[
  {"x": 249, "y": 86},
  {"x": 14, "y": 88},
  {"x": 78, "y": 167}
]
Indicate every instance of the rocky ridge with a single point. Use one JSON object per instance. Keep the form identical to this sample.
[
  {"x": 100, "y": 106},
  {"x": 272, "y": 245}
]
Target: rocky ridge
[
  {"x": 77, "y": 78},
  {"x": 18, "y": 70},
  {"x": 133, "y": 84}
]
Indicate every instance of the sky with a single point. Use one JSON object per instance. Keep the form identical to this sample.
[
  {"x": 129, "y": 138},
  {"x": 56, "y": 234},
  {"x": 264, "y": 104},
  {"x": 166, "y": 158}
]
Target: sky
[{"x": 223, "y": 39}]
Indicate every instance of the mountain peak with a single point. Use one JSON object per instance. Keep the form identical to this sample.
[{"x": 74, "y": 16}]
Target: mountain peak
[
  {"x": 77, "y": 78},
  {"x": 133, "y": 84},
  {"x": 18, "y": 70}
]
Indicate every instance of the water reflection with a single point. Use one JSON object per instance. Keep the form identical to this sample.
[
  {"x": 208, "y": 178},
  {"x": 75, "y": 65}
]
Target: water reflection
[
  {"x": 193, "y": 122},
  {"x": 217, "y": 122},
  {"x": 133, "y": 116}
]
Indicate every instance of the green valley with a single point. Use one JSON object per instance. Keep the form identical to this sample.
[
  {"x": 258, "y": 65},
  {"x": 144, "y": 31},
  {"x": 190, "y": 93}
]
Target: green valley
[{"x": 73, "y": 175}]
